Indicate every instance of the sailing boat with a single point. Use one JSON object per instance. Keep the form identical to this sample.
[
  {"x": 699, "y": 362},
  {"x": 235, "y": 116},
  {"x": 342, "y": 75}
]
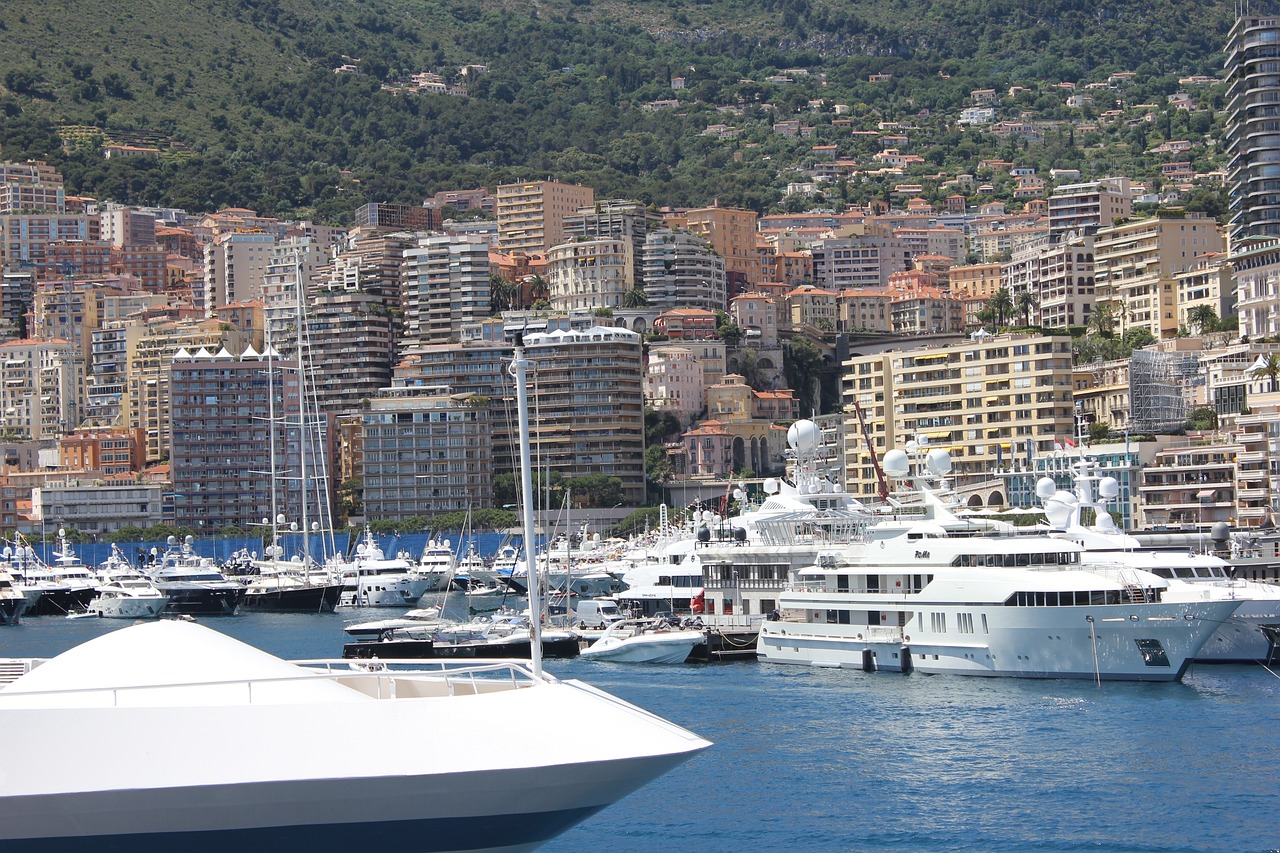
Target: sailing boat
[{"x": 299, "y": 583}]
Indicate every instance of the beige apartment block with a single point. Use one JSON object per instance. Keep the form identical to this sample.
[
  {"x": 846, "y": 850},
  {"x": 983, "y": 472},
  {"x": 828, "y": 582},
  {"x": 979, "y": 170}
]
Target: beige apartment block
[
  {"x": 990, "y": 401},
  {"x": 531, "y": 214},
  {"x": 1135, "y": 264},
  {"x": 732, "y": 233}
]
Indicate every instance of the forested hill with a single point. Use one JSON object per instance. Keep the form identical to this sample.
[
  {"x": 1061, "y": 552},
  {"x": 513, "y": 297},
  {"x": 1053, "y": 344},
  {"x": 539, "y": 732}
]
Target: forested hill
[{"x": 243, "y": 98}]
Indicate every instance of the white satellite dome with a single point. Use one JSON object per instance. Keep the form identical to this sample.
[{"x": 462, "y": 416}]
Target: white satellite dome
[
  {"x": 802, "y": 436},
  {"x": 896, "y": 464},
  {"x": 938, "y": 461},
  {"x": 1108, "y": 487},
  {"x": 1045, "y": 487}
]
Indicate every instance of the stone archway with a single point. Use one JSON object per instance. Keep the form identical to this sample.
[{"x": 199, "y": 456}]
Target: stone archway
[{"x": 738, "y": 453}]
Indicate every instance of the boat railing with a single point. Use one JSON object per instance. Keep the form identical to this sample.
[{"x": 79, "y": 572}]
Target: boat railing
[{"x": 380, "y": 679}]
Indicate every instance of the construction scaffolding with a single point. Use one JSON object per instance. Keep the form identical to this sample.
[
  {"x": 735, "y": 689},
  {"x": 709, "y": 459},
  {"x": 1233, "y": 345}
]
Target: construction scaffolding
[{"x": 1159, "y": 385}]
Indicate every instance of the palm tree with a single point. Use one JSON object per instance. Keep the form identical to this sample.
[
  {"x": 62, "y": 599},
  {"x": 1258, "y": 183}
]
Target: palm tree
[
  {"x": 501, "y": 293},
  {"x": 1001, "y": 305},
  {"x": 1204, "y": 318},
  {"x": 1103, "y": 319},
  {"x": 635, "y": 298},
  {"x": 1026, "y": 302},
  {"x": 533, "y": 288},
  {"x": 1268, "y": 366}
]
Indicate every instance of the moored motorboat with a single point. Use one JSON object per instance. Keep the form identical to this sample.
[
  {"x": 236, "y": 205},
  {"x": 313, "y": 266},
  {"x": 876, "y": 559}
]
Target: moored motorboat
[
  {"x": 128, "y": 596},
  {"x": 645, "y": 641},
  {"x": 12, "y": 600},
  {"x": 291, "y": 593},
  {"x": 160, "y": 681}
]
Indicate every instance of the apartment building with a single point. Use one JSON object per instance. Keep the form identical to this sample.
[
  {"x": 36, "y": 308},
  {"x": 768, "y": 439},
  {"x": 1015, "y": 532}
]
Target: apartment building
[
  {"x": 235, "y": 267},
  {"x": 858, "y": 262},
  {"x": 41, "y": 387},
  {"x": 1135, "y": 264},
  {"x": 673, "y": 381},
  {"x": 590, "y": 274},
  {"x": 590, "y": 402},
  {"x": 1083, "y": 208},
  {"x": 236, "y": 437},
  {"x": 1257, "y": 286},
  {"x": 1251, "y": 140},
  {"x": 617, "y": 219},
  {"x": 425, "y": 452},
  {"x": 25, "y": 238},
  {"x": 531, "y": 214},
  {"x": 986, "y": 400},
  {"x": 732, "y": 234},
  {"x": 98, "y": 508},
  {"x": 150, "y": 355},
  {"x": 444, "y": 283},
  {"x": 351, "y": 350},
  {"x": 681, "y": 269}
]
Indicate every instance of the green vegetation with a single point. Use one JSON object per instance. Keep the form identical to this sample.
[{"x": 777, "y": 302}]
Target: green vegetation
[{"x": 243, "y": 102}]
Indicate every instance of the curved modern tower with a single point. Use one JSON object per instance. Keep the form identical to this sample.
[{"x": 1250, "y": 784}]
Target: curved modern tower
[{"x": 1253, "y": 127}]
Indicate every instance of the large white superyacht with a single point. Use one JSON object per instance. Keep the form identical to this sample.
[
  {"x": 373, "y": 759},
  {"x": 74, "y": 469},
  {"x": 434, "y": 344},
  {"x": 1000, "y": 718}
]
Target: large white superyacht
[
  {"x": 911, "y": 591},
  {"x": 1248, "y": 636}
]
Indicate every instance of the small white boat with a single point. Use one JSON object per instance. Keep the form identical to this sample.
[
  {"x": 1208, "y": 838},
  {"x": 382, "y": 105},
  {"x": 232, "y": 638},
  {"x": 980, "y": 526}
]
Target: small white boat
[
  {"x": 158, "y": 682},
  {"x": 648, "y": 641}
]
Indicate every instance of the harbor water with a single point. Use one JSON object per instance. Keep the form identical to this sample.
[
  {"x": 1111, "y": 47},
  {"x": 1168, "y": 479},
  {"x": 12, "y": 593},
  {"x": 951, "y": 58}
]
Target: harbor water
[{"x": 836, "y": 760}]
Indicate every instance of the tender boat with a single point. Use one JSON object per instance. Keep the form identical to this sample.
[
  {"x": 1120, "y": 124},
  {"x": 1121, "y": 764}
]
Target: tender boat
[
  {"x": 158, "y": 682},
  {"x": 646, "y": 641},
  {"x": 505, "y": 636}
]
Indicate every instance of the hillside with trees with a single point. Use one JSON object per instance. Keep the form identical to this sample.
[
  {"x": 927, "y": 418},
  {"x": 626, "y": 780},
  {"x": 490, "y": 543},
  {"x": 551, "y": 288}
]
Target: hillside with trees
[{"x": 305, "y": 107}]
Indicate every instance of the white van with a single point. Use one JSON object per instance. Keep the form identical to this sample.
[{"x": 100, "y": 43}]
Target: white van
[{"x": 595, "y": 613}]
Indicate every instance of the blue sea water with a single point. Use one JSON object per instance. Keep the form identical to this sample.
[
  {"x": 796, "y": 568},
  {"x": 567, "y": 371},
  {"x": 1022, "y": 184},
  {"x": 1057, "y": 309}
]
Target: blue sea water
[{"x": 834, "y": 760}]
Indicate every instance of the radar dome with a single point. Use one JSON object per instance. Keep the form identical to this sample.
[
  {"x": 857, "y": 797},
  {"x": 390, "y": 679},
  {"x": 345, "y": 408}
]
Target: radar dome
[
  {"x": 1045, "y": 487},
  {"x": 1220, "y": 531},
  {"x": 770, "y": 486},
  {"x": 1108, "y": 487},
  {"x": 938, "y": 461},
  {"x": 896, "y": 464},
  {"x": 803, "y": 436}
]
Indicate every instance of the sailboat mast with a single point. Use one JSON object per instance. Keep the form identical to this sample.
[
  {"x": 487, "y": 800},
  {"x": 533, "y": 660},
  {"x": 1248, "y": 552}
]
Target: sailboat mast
[
  {"x": 272, "y": 440},
  {"x": 302, "y": 416},
  {"x": 519, "y": 371}
]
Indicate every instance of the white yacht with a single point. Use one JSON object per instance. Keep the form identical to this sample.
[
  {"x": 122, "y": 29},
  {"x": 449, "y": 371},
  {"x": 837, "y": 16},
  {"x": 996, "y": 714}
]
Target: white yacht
[
  {"x": 160, "y": 681},
  {"x": 437, "y": 564},
  {"x": 920, "y": 589},
  {"x": 1248, "y": 636},
  {"x": 374, "y": 580},
  {"x": 127, "y": 595},
  {"x": 12, "y": 600},
  {"x": 195, "y": 584}
]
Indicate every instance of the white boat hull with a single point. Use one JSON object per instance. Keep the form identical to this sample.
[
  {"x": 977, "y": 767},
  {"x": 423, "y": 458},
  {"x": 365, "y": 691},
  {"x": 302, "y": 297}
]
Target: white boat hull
[
  {"x": 1021, "y": 642},
  {"x": 314, "y": 790},
  {"x": 495, "y": 810},
  {"x": 128, "y": 608},
  {"x": 672, "y": 647},
  {"x": 1240, "y": 639}
]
